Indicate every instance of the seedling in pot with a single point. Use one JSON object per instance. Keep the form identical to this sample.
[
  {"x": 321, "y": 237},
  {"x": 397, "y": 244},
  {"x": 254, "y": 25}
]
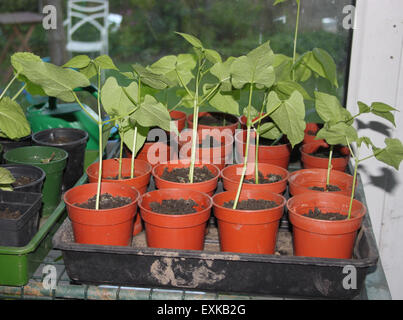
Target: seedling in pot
[
  {"x": 134, "y": 110},
  {"x": 183, "y": 68},
  {"x": 338, "y": 129},
  {"x": 290, "y": 73},
  {"x": 50, "y": 80},
  {"x": 255, "y": 71}
]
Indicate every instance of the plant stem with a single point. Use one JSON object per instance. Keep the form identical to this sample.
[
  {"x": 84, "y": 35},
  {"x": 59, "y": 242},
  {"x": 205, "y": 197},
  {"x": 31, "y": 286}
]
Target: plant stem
[
  {"x": 19, "y": 92},
  {"x": 357, "y": 162},
  {"x": 8, "y": 85},
  {"x": 245, "y": 161},
  {"x": 329, "y": 166},
  {"x": 257, "y": 142},
  {"x": 295, "y": 39},
  {"x": 85, "y": 110},
  {"x": 195, "y": 125},
  {"x": 120, "y": 154},
  {"x": 133, "y": 152},
  {"x": 100, "y": 140}
]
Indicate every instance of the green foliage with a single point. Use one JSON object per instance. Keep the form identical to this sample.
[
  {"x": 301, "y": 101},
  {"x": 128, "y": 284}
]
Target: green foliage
[
  {"x": 13, "y": 123},
  {"x": 6, "y": 179}
]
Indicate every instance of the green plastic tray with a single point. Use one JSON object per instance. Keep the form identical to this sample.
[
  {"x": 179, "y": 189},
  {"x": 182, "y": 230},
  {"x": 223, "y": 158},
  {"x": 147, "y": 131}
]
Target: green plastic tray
[{"x": 18, "y": 264}]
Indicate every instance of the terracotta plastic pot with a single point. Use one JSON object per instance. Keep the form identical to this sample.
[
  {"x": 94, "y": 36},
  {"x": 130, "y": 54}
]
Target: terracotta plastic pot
[
  {"x": 110, "y": 169},
  {"x": 322, "y": 238},
  {"x": 175, "y": 231},
  {"x": 247, "y": 231},
  {"x": 218, "y": 155},
  {"x": 231, "y": 176},
  {"x": 302, "y": 180},
  {"x": 230, "y": 127},
  {"x": 310, "y": 162},
  {"x": 179, "y": 118},
  {"x": 310, "y": 133},
  {"x": 206, "y": 186},
  {"x": 278, "y": 155},
  {"x": 106, "y": 226}
]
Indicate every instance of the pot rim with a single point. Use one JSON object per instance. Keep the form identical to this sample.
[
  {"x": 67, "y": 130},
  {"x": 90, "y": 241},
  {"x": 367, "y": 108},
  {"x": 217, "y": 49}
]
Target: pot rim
[
  {"x": 283, "y": 201},
  {"x": 293, "y": 176},
  {"x": 352, "y": 219},
  {"x": 148, "y": 171},
  {"x": 28, "y": 166},
  {"x": 175, "y": 191},
  {"x": 84, "y": 137},
  {"x": 94, "y": 185},
  {"x": 324, "y": 144},
  {"x": 185, "y": 163},
  {"x": 286, "y": 172},
  {"x": 189, "y": 118}
]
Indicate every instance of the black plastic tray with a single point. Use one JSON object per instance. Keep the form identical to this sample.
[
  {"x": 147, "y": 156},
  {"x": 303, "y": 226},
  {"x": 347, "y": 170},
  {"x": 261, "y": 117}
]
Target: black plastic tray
[
  {"x": 18, "y": 232},
  {"x": 281, "y": 274}
]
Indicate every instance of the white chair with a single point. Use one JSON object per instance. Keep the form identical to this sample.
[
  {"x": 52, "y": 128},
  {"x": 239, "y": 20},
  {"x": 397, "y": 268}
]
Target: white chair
[{"x": 79, "y": 15}]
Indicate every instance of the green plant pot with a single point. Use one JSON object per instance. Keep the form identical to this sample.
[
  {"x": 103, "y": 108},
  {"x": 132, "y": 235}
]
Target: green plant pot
[{"x": 51, "y": 191}]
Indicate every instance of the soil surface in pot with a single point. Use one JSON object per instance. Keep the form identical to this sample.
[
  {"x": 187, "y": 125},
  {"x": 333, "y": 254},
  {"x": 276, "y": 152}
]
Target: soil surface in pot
[
  {"x": 22, "y": 181},
  {"x": 319, "y": 215},
  {"x": 270, "y": 178},
  {"x": 251, "y": 204},
  {"x": 323, "y": 152},
  {"x": 181, "y": 175},
  {"x": 106, "y": 201},
  {"x": 8, "y": 214},
  {"x": 217, "y": 120},
  {"x": 117, "y": 177},
  {"x": 329, "y": 188},
  {"x": 174, "y": 206}
]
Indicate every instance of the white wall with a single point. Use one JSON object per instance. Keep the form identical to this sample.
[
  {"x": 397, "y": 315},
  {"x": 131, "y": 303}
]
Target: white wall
[{"x": 376, "y": 74}]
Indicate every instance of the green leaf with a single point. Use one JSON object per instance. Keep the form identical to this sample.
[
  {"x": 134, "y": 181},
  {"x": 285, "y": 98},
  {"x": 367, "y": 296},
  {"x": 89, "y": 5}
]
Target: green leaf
[
  {"x": 392, "y": 154},
  {"x": 141, "y": 137},
  {"x": 164, "y": 65},
  {"x": 269, "y": 130},
  {"x": 212, "y": 56},
  {"x": 16, "y": 60},
  {"x": 366, "y": 140},
  {"x": 225, "y": 102},
  {"x": 151, "y": 113},
  {"x": 278, "y": 1},
  {"x": 338, "y": 133},
  {"x": 363, "y": 108},
  {"x": 13, "y": 123},
  {"x": 115, "y": 100},
  {"x": 222, "y": 71},
  {"x": 384, "y": 111},
  {"x": 105, "y": 62},
  {"x": 289, "y": 117},
  {"x": 320, "y": 62},
  {"x": 382, "y": 107},
  {"x": 106, "y": 131},
  {"x": 328, "y": 64},
  {"x": 191, "y": 39},
  {"x": 6, "y": 177},
  {"x": 329, "y": 108},
  {"x": 89, "y": 71},
  {"x": 154, "y": 80},
  {"x": 254, "y": 68},
  {"x": 273, "y": 102},
  {"x": 284, "y": 89},
  {"x": 55, "y": 81},
  {"x": 78, "y": 62}
]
